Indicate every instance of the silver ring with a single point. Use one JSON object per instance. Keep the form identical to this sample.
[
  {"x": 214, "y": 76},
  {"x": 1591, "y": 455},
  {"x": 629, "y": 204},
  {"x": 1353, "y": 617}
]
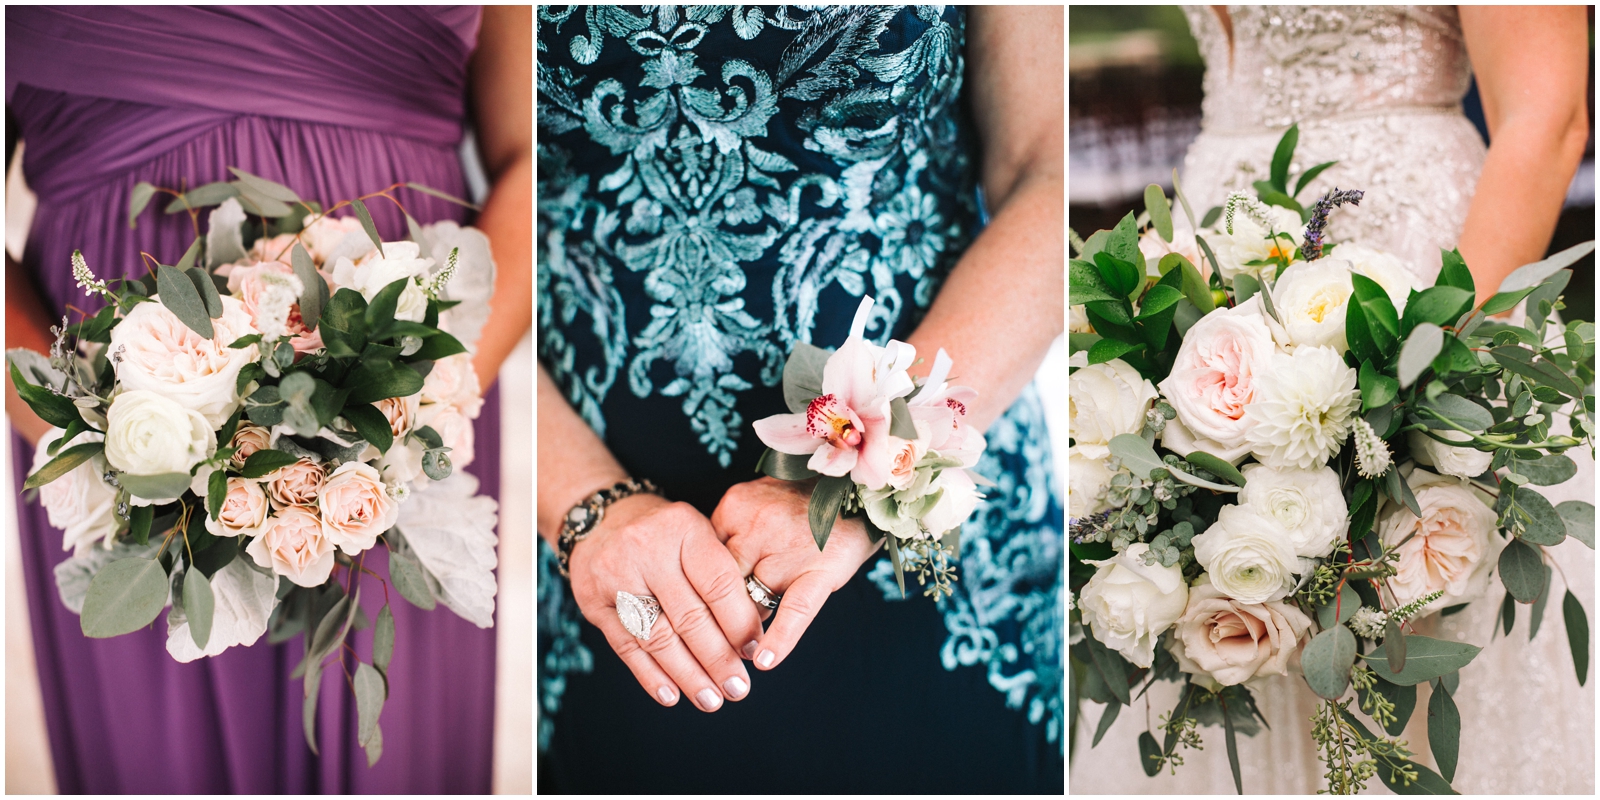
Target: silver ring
[
  {"x": 638, "y": 613},
  {"x": 761, "y": 593}
]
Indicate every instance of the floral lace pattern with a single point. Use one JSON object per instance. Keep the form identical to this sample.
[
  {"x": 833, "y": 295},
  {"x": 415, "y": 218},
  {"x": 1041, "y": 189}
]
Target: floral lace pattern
[{"x": 716, "y": 184}]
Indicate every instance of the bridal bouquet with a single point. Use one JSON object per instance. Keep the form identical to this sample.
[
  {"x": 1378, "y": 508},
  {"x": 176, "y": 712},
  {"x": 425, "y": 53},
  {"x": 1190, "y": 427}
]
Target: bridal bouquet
[
  {"x": 235, "y": 432},
  {"x": 1284, "y": 453},
  {"x": 879, "y": 443}
]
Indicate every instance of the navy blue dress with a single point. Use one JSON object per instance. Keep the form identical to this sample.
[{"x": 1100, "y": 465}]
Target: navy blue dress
[{"x": 715, "y": 185}]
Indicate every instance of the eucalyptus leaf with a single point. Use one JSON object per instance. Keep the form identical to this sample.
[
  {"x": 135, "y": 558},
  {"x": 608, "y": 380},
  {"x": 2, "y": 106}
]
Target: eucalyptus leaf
[
  {"x": 1216, "y": 466},
  {"x": 181, "y": 297},
  {"x": 383, "y": 639},
  {"x": 441, "y": 195},
  {"x": 124, "y": 596},
  {"x": 374, "y": 746},
  {"x": 1444, "y": 731},
  {"x": 1457, "y": 409},
  {"x": 1155, "y": 201},
  {"x": 264, "y": 187},
  {"x": 1577, "y": 634},
  {"x": 1426, "y": 659},
  {"x": 1579, "y": 518},
  {"x": 138, "y": 201},
  {"x": 1327, "y": 660},
  {"x": 168, "y": 486},
  {"x": 1532, "y": 275},
  {"x": 1546, "y": 470},
  {"x": 313, "y": 289},
  {"x": 1149, "y": 754},
  {"x": 365, "y": 217},
  {"x": 900, "y": 423},
  {"x": 1347, "y": 603},
  {"x": 64, "y": 463},
  {"x": 1544, "y": 525},
  {"x": 1106, "y": 718},
  {"x": 1419, "y": 350},
  {"x": 1112, "y": 668},
  {"x": 308, "y": 711},
  {"x": 1521, "y": 570},
  {"x": 198, "y": 606},
  {"x": 1537, "y": 617},
  {"x": 201, "y": 196},
  {"x": 409, "y": 580},
  {"x": 370, "y": 693},
  {"x": 1394, "y": 647},
  {"x": 1140, "y": 458}
]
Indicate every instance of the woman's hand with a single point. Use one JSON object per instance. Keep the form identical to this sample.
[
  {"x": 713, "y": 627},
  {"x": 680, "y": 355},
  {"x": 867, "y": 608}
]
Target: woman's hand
[
  {"x": 647, "y": 545},
  {"x": 767, "y": 528}
]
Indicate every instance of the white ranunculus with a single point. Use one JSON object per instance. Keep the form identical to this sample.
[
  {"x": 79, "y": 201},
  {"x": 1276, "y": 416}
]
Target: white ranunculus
[
  {"x": 1214, "y": 375},
  {"x": 1310, "y": 297},
  {"x": 1225, "y": 642},
  {"x": 1249, "y": 556},
  {"x": 149, "y": 434},
  {"x": 1308, "y": 503},
  {"x": 1086, "y": 479},
  {"x": 1104, "y": 401},
  {"x": 1250, "y": 242},
  {"x": 399, "y": 260},
  {"x": 1304, "y": 406},
  {"x": 1461, "y": 462},
  {"x": 155, "y": 351},
  {"x": 80, "y": 502},
  {"x": 1128, "y": 604},
  {"x": 1388, "y": 271},
  {"x": 1454, "y": 547}
]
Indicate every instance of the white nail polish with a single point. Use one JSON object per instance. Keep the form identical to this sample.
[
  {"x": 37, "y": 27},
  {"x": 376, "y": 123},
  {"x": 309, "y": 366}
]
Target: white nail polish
[
  {"x": 765, "y": 659},
  {"x": 709, "y": 699},
  {"x": 667, "y": 696},
  {"x": 736, "y": 687}
]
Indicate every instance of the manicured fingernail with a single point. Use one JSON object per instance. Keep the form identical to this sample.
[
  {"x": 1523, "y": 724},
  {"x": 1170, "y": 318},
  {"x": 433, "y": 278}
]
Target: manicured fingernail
[
  {"x": 749, "y": 650},
  {"x": 736, "y": 687},
  {"x": 668, "y": 697},
  {"x": 709, "y": 699},
  {"x": 765, "y": 659}
]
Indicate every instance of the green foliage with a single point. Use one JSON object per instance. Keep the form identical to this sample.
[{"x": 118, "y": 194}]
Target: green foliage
[
  {"x": 1326, "y": 661},
  {"x": 124, "y": 596},
  {"x": 1426, "y": 659},
  {"x": 1444, "y": 730},
  {"x": 408, "y": 579},
  {"x": 826, "y": 498},
  {"x": 198, "y": 604},
  {"x": 1577, "y": 634}
]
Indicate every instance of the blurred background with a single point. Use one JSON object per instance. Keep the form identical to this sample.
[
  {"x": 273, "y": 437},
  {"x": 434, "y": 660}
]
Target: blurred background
[
  {"x": 1133, "y": 107},
  {"x": 27, "y": 758}
]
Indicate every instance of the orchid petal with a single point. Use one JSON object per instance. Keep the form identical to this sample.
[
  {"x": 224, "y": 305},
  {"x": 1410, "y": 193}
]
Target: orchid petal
[
  {"x": 877, "y": 457},
  {"x": 834, "y": 461},
  {"x": 786, "y": 433},
  {"x": 848, "y": 374},
  {"x": 933, "y": 388},
  {"x": 858, "y": 326}
]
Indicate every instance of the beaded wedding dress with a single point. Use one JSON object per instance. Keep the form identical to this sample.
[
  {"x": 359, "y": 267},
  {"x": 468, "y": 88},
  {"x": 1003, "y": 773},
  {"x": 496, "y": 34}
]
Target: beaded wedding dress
[{"x": 1379, "y": 90}]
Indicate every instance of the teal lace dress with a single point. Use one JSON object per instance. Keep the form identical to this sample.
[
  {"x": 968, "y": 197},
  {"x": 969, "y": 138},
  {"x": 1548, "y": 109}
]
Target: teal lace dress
[{"x": 717, "y": 184}]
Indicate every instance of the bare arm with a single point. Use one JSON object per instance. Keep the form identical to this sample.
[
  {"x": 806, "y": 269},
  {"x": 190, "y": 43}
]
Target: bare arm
[
  {"x": 502, "y": 99},
  {"x": 573, "y": 462},
  {"x": 1002, "y": 305},
  {"x": 1531, "y": 64},
  {"x": 27, "y": 326}
]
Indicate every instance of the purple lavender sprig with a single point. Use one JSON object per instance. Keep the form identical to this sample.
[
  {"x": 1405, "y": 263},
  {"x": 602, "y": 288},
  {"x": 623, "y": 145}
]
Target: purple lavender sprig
[{"x": 1312, "y": 249}]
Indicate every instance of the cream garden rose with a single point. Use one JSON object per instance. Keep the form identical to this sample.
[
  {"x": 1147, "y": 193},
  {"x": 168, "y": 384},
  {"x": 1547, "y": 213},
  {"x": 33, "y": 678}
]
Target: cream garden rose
[
  {"x": 292, "y": 543},
  {"x": 1225, "y": 642},
  {"x": 79, "y": 503},
  {"x": 1308, "y": 503},
  {"x": 1310, "y": 297},
  {"x": 355, "y": 507},
  {"x": 1460, "y": 462},
  {"x": 1454, "y": 548},
  {"x": 1305, "y": 403},
  {"x": 1104, "y": 401},
  {"x": 149, "y": 434},
  {"x": 155, "y": 351},
  {"x": 401, "y": 412},
  {"x": 1128, "y": 604},
  {"x": 1248, "y": 556},
  {"x": 1214, "y": 376},
  {"x": 1086, "y": 479},
  {"x": 244, "y": 509}
]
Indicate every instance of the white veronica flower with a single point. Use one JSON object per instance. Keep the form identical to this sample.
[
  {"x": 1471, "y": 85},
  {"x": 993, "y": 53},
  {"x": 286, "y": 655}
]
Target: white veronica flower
[
  {"x": 1372, "y": 453},
  {"x": 1304, "y": 406},
  {"x": 279, "y": 294}
]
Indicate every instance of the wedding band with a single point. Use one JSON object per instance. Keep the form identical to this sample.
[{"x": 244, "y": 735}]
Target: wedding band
[
  {"x": 638, "y": 613},
  {"x": 761, "y": 593}
]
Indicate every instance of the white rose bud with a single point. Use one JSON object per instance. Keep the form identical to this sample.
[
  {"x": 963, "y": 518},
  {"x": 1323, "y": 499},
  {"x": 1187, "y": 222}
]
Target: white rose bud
[
  {"x": 1248, "y": 556},
  {"x": 1461, "y": 462},
  {"x": 1127, "y": 604}
]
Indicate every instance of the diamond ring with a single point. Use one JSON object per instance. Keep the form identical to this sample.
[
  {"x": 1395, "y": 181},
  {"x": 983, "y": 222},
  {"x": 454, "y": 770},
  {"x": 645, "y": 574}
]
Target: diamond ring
[
  {"x": 638, "y": 613},
  {"x": 761, "y": 593}
]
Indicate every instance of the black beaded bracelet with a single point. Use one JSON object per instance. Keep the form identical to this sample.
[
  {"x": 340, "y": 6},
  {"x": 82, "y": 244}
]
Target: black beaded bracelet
[{"x": 582, "y": 519}]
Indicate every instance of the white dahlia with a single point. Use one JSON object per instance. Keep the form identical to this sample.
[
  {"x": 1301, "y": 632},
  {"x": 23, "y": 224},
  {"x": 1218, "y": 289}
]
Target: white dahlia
[{"x": 1304, "y": 406}]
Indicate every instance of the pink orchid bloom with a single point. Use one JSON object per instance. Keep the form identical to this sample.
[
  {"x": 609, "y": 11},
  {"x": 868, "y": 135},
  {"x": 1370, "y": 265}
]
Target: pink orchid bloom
[
  {"x": 846, "y": 429},
  {"x": 944, "y": 407}
]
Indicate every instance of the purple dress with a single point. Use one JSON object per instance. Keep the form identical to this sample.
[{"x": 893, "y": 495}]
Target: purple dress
[{"x": 332, "y": 102}]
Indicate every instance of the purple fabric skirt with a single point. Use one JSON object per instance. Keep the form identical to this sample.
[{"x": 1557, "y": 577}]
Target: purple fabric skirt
[{"x": 123, "y": 717}]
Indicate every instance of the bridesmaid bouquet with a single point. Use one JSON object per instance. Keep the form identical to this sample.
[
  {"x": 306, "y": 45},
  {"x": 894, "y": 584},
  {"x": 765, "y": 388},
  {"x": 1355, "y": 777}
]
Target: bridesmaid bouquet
[
  {"x": 234, "y": 432},
  {"x": 881, "y": 444},
  {"x": 1279, "y": 463}
]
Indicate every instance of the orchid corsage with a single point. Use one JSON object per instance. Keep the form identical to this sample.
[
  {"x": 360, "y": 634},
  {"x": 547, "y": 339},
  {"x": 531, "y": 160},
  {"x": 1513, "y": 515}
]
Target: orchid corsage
[{"x": 882, "y": 445}]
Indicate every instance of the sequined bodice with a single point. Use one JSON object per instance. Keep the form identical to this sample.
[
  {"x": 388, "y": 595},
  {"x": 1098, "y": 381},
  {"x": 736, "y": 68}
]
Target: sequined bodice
[{"x": 1293, "y": 63}]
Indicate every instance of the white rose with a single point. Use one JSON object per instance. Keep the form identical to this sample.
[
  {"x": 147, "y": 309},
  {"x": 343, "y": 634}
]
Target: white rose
[
  {"x": 1225, "y": 642},
  {"x": 958, "y": 497},
  {"x": 1305, "y": 404},
  {"x": 328, "y": 238},
  {"x": 1104, "y": 401},
  {"x": 400, "y": 260},
  {"x": 1248, "y": 556},
  {"x": 1461, "y": 462},
  {"x": 1388, "y": 271},
  {"x": 1086, "y": 478},
  {"x": 155, "y": 351},
  {"x": 453, "y": 380},
  {"x": 1310, "y": 298},
  {"x": 1078, "y": 320},
  {"x": 1454, "y": 547},
  {"x": 79, "y": 502},
  {"x": 149, "y": 434},
  {"x": 1127, "y": 604},
  {"x": 1308, "y": 503},
  {"x": 1213, "y": 377},
  {"x": 1251, "y": 242},
  {"x": 1179, "y": 439}
]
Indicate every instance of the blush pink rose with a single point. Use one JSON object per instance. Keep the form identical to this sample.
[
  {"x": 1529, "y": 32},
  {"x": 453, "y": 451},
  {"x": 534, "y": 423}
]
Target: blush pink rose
[
  {"x": 1454, "y": 547},
  {"x": 1226, "y": 642},
  {"x": 297, "y": 484},
  {"x": 455, "y": 428},
  {"x": 247, "y": 440},
  {"x": 1213, "y": 376},
  {"x": 244, "y": 509},
  {"x": 401, "y": 412},
  {"x": 453, "y": 381},
  {"x": 356, "y": 508},
  {"x": 292, "y": 544}
]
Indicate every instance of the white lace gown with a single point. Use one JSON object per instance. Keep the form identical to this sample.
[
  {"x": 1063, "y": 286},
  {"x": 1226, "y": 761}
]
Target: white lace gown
[{"x": 1379, "y": 90}]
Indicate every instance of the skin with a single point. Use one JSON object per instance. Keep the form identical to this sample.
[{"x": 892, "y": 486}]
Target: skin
[
  {"x": 501, "y": 86},
  {"x": 999, "y": 311}
]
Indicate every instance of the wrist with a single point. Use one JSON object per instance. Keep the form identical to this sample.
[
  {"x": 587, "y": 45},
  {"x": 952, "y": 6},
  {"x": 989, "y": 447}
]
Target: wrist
[{"x": 589, "y": 515}]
